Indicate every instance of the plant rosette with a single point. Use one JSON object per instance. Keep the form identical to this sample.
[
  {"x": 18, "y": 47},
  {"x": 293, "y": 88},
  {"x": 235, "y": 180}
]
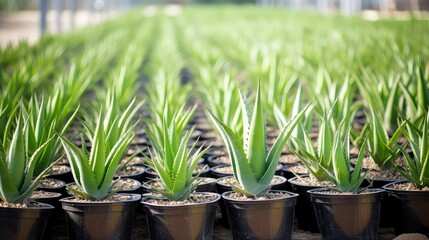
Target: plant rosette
[
  {"x": 411, "y": 214},
  {"x": 24, "y": 222},
  {"x": 304, "y": 208},
  {"x": 181, "y": 220},
  {"x": 269, "y": 217},
  {"x": 111, "y": 218},
  {"x": 344, "y": 215}
]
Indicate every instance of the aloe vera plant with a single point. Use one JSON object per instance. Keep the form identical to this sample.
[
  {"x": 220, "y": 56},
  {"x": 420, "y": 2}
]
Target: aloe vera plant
[
  {"x": 417, "y": 170},
  {"x": 315, "y": 159},
  {"x": 116, "y": 121},
  {"x": 43, "y": 124},
  {"x": 382, "y": 148},
  {"x": 18, "y": 178},
  {"x": 223, "y": 100},
  {"x": 253, "y": 167},
  {"x": 382, "y": 93},
  {"x": 305, "y": 124},
  {"x": 415, "y": 89},
  {"x": 93, "y": 172},
  {"x": 175, "y": 163},
  {"x": 342, "y": 175}
]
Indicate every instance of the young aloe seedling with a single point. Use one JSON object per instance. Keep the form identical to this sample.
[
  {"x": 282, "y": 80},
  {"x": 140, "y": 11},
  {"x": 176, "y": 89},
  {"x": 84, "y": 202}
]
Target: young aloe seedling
[
  {"x": 174, "y": 163},
  {"x": 315, "y": 159},
  {"x": 417, "y": 171},
  {"x": 253, "y": 167},
  {"x": 94, "y": 172},
  {"x": 382, "y": 149},
  {"x": 344, "y": 178},
  {"x": 17, "y": 167}
]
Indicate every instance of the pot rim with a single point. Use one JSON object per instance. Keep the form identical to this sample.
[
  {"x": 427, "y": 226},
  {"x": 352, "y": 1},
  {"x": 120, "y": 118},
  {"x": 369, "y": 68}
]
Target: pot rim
[
  {"x": 291, "y": 181},
  {"x": 318, "y": 192},
  {"x": 55, "y": 195},
  {"x": 141, "y": 167},
  {"x": 232, "y": 176},
  {"x": 67, "y": 200},
  {"x": 218, "y": 196},
  {"x": 45, "y": 207},
  {"x": 290, "y": 195},
  {"x": 388, "y": 189},
  {"x": 63, "y": 184}
]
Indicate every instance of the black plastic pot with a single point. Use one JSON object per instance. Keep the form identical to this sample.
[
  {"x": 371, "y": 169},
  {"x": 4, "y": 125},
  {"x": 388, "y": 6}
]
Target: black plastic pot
[
  {"x": 387, "y": 214},
  {"x": 100, "y": 220},
  {"x": 347, "y": 216},
  {"x": 207, "y": 186},
  {"x": 221, "y": 188},
  {"x": 51, "y": 198},
  {"x": 138, "y": 175},
  {"x": 304, "y": 208},
  {"x": 261, "y": 219},
  {"x": 411, "y": 210},
  {"x": 24, "y": 223},
  {"x": 135, "y": 190},
  {"x": 181, "y": 222}
]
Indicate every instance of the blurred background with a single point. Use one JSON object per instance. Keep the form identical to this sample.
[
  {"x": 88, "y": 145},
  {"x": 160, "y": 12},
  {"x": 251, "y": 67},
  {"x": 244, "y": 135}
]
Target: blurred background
[{"x": 29, "y": 19}]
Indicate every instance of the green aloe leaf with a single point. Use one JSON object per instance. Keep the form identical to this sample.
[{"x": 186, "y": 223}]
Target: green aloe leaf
[
  {"x": 16, "y": 156},
  {"x": 256, "y": 152}
]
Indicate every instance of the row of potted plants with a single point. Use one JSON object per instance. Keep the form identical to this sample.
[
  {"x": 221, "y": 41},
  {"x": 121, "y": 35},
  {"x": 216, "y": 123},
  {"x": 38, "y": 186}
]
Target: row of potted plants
[{"x": 36, "y": 127}]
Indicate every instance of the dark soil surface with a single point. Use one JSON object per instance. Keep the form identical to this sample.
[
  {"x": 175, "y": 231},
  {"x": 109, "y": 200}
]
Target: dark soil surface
[{"x": 141, "y": 232}]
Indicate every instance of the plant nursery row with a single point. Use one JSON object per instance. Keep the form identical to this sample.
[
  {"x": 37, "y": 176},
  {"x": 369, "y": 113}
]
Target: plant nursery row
[{"x": 221, "y": 122}]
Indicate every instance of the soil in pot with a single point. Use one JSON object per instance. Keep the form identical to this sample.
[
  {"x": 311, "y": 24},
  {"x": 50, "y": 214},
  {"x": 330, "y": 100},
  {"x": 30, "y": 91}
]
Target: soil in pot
[
  {"x": 286, "y": 159},
  {"x": 127, "y": 185},
  {"x": 107, "y": 219},
  {"x": 24, "y": 222},
  {"x": 269, "y": 217},
  {"x": 411, "y": 204},
  {"x": 221, "y": 171},
  {"x": 53, "y": 185},
  {"x": 304, "y": 208},
  {"x": 206, "y": 184},
  {"x": 192, "y": 219},
  {"x": 346, "y": 215},
  {"x": 61, "y": 172},
  {"x": 218, "y": 160},
  {"x": 295, "y": 169},
  {"x": 131, "y": 171}
]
